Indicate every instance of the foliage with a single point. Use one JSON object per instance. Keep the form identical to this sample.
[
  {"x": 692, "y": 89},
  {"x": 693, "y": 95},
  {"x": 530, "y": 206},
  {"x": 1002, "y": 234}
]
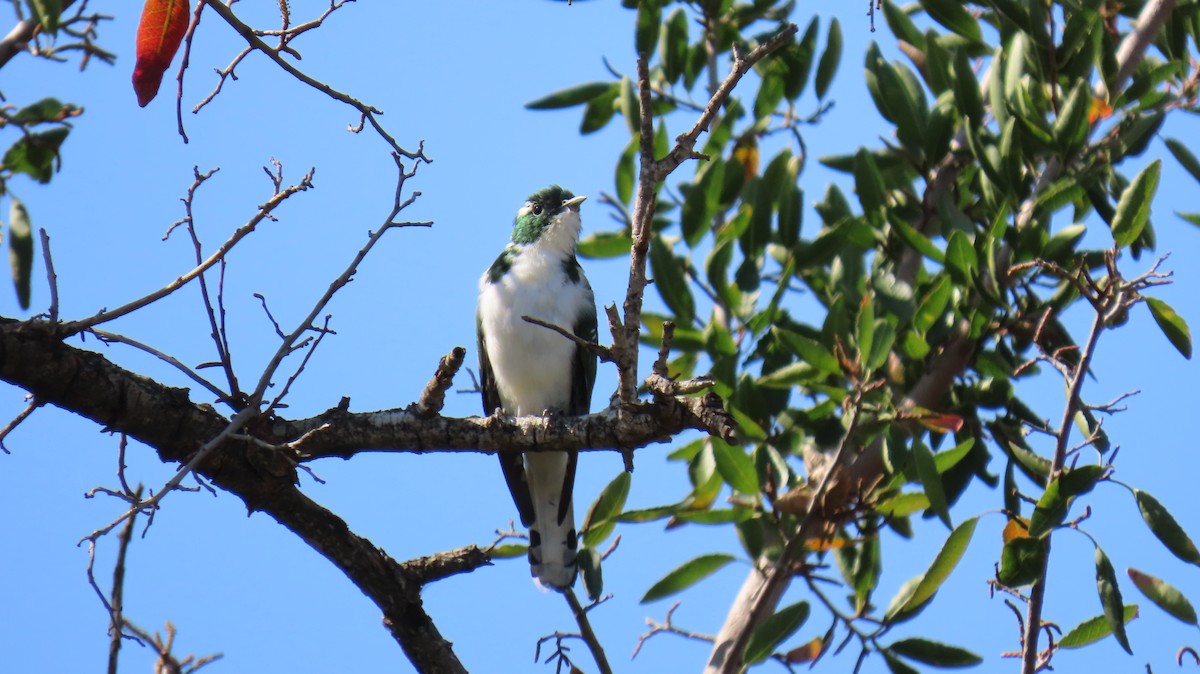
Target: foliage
[{"x": 904, "y": 322}]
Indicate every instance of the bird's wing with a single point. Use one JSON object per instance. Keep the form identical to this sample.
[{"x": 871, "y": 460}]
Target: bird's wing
[
  {"x": 583, "y": 378},
  {"x": 511, "y": 463}
]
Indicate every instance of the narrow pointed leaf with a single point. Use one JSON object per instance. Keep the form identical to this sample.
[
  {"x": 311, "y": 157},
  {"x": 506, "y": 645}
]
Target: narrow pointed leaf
[
  {"x": 920, "y": 589},
  {"x": 571, "y": 96},
  {"x": 508, "y": 551},
  {"x": 1164, "y": 526},
  {"x": 1172, "y": 325},
  {"x": 1052, "y": 508},
  {"x": 1133, "y": 210},
  {"x": 589, "y": 568},
  {"x": 828, "y": 65},
  {"x": 931, "y": 481},
  {"x": 686, "y": 575},
  {"x": 1094, "y": 629},
  {"x": 809, "y": 350},
  {"x": 1184, "y": 156},
  {"x": 20, "y": 250},
  {"x": 934, "y": 653},
  {"x": 649, "y": 19},
  {"x": 1110, "y": 598},
  {"x": 598, "y": 245},
  {"x": 600, "y": 519},
  {"x": 1164, "y": 595},
  {"x": 774, "y": 630},
  {"x": 670, "y": 281},
  {"x": 735, "y": 466}
]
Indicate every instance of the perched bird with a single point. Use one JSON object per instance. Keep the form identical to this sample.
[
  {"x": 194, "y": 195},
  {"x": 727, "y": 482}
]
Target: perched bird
[{"x": 527, "y": 369}]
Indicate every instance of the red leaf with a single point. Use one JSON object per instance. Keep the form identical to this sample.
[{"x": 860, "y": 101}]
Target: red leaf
[
  {"x": 944, "y": 423},
  {"x": 160, "y": 31}
]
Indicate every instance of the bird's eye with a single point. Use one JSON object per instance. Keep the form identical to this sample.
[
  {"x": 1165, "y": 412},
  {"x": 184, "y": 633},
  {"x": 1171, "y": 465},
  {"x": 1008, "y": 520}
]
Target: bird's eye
[{"x": 537, "y": 209}]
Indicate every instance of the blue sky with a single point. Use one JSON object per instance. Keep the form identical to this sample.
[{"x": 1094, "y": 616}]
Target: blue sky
[{"x": 456, "y": 75}]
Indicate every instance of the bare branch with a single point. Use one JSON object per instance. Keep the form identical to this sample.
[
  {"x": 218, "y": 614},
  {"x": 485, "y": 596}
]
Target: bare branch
[
  {"x": 51, "y": 277},
  {"x": 434, "y": 395},
  {"x": 586, "y": 632},
  {"x": 264, "y": 211},
  {"x": 112, "y": 337},
  {"x": 34, "y": 403}
]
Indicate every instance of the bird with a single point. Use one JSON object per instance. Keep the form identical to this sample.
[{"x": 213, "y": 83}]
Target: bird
[{"x": 528, "y": 369}]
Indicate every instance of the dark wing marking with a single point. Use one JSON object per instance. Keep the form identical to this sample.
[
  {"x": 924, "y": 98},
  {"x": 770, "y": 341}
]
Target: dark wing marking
[
  {"x": 583, "y": 378},
  {"x": 513, "y": 465}
]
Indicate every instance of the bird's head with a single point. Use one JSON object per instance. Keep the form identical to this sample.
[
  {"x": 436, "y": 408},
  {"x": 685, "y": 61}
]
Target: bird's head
[{"x": 552, "y": 212}]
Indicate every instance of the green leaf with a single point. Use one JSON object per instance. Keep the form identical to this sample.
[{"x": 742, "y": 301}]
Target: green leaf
[
  {"x": 1172, "y": 325},
  {"x": 1164, "y": 595},
  {"x": 46, "y": 110},
  {"x": 966, "y": 89},
  {"x": 828, "y": 65},
  {"x": 649, "y": 16},
  {"x": 953, "y": 15},
  {"x": 20, "y": 250},
  {"x": 1110, "y": 598},
  {"x": 47, "y": 13},
  {"x": 508, "y": 551},
  {"x": 589, "y": 568},
  {"x": 1164, "y": 526},
  {"x": 599, "y": 523},
  {"x": 600, "y": 245},
  {"x": 701, "y": 201},
  {"x": 770, "y": 93},
  {"x": 809, "y": 350},
  {"x": 648, "y": 514},
  {"x": 868, "y": 182},
  {"x": 626, "y": 171},
  {"x": 1052, "y": 508},
  {"x": 931, "y": 481},
  {"x": 864, "y": 329},
  {"x": 1094, "y": 629},
  {"x": 881, "y": 345},
  {"x": 773, "y": 631},
  {"x": 920, "y": 589},
  {"x": 673, "y": 46},
  {"x": 961, "y": 259},
  {"x": 932, "y": 305},
  {"x": 35, "y": 153},
  {"x": 735, "y": 466},
  {"x": 670, "y": 281},
  {"x": 571, "y": 96},
  {"x": 1133, "y": 210},
  {"x": 1184, "y": 156},
  {"x": 1021, "y": 561},
  {"x": 1071, "y": 127},
  {"x": 686, "y": 575},
  {"x": 903, "y": 505},
  {"x": 630, "y": 106},
  {"x": 599, "y": 111},
  {"x": 934, "y": 653}
]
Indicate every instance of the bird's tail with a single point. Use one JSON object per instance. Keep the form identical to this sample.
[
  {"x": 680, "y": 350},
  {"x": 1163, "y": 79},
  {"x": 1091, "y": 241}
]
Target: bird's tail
[{"x": 552, "y": 539}]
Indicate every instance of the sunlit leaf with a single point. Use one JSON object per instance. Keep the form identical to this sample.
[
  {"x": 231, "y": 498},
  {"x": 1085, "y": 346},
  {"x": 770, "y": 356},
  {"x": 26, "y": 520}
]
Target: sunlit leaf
[
  {"x": 1021, "y": 561},
  {"x": 508, "y": 551},
  {"x": 828, "y": 65},
  {"x": 47, "y": 13},
  {"x": 1094, "y": 629},
  {"x": 1133, "y": 210},
  {"x": 599, "y": 245},
  {"x": 1184, "y": 156},
  {"x": 1110, "y": 598},
  {"x": 571, "y": 96},
  {"x": 1052, "y": 508},
  {"x": 20, "y": 250},
  {"x": 599, "y": 522},
  {"x": 1164, "y": 526},
  {"x": 1164, "y": 595},
  {"x": 934, "y": 653},
  {"x": 735, "y": 466},
  {"x": 773, "y": 631},
  {"x": 1172, "y": 325},
  {"x": 931, "y": 481},
  {"x": 686, "y": 575},
  {"x": 920, "y": 589}
]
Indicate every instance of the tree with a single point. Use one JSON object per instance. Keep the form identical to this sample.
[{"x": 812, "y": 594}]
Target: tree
[{"x": 844, "y": 379}]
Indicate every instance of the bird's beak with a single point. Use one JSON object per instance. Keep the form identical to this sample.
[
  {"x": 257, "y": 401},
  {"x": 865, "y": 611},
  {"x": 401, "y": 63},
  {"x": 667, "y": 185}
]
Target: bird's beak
[{"x": 573, "y": 204}]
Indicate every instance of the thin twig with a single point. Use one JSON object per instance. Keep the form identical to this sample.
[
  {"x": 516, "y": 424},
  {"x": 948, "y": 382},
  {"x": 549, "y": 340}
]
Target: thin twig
[
  {"x": 183, "y": 66},
  {"x": 264, "y": 211},
  {"x": 112, "y": 337},
  {"x": 116, "y": 621},
  {"x": 51, "y": 277},
  {"x": 586, "y": 632},
  {"x": 34, "y": 403},
  {"x": 369, "y": 113}
]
